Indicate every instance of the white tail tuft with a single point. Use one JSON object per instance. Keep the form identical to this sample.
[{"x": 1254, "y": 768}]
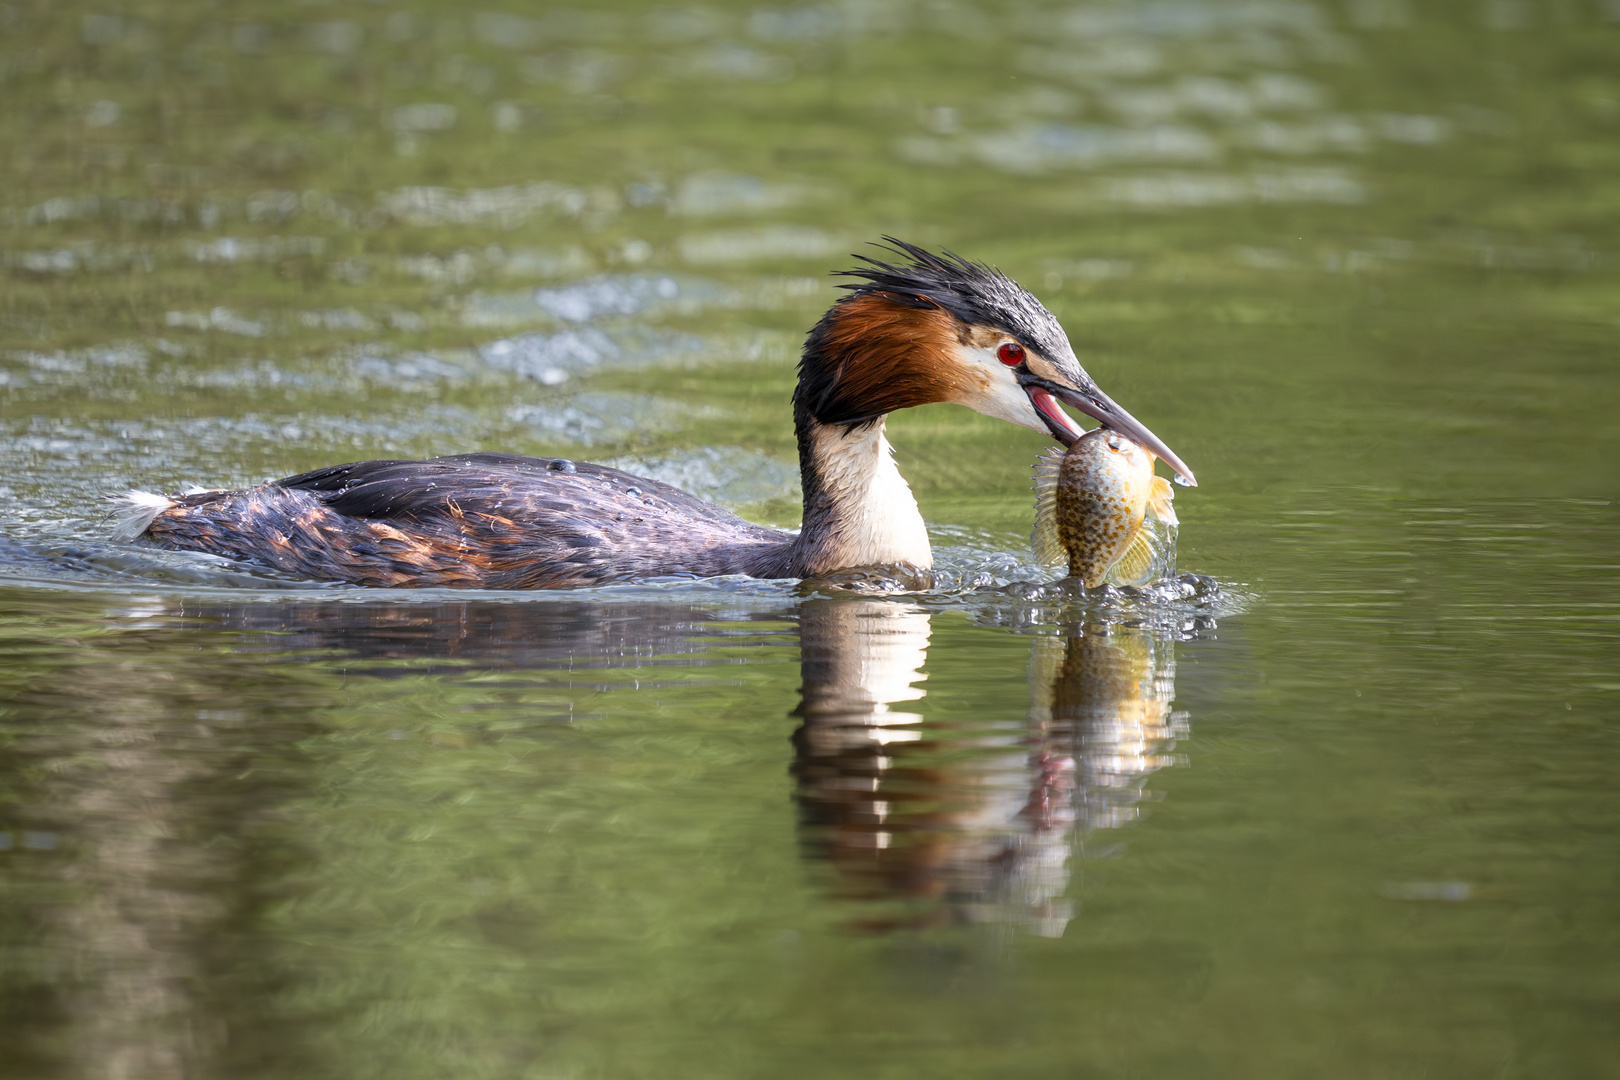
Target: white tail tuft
[{"x": 134, "y": 511}]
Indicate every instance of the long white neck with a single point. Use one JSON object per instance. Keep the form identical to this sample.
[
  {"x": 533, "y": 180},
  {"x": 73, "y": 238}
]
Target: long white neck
[{"x": 858, "y": 509}]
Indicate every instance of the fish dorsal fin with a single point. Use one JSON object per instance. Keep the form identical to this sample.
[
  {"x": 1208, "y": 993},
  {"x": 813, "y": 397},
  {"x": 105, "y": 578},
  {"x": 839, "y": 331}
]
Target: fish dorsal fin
[
  {"x": 1161, "y": 501},
  {"x": 1049, "y": 549},
  {"x": 1140, "y": 563}
]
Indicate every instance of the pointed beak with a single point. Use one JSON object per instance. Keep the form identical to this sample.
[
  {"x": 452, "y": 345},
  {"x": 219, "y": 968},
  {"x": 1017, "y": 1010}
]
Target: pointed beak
[{"x": 1101, "y": 408}]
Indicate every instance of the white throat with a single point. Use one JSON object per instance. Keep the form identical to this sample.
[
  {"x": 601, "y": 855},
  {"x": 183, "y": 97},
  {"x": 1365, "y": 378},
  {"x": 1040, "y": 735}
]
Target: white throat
[{"x": 874, "y": 518}]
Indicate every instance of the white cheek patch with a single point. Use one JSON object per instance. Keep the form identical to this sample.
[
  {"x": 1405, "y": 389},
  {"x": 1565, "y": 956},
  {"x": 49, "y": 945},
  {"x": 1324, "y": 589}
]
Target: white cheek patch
[{"x": 989, "y": 387}]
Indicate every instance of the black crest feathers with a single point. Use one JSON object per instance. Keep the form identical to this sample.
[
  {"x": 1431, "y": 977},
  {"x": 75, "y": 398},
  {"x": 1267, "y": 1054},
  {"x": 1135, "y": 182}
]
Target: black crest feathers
[{"x": 973, "y": 292}]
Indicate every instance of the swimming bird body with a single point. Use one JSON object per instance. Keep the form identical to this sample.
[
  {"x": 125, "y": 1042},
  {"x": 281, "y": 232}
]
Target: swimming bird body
[{"x": 932, "y": 329}]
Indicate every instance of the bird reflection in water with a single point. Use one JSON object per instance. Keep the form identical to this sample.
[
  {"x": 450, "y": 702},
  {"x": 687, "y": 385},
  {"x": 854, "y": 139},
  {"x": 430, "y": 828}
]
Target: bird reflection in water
[{"x": 930, "y": 824}]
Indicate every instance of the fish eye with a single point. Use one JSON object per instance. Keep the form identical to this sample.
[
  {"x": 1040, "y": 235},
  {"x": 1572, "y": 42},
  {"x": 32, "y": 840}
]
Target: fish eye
[{"x": 1011, "y": 353}]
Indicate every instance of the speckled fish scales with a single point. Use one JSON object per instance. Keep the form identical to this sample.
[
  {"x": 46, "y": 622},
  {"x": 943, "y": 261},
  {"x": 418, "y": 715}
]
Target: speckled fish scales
[{"x": 1091, "y": 503}]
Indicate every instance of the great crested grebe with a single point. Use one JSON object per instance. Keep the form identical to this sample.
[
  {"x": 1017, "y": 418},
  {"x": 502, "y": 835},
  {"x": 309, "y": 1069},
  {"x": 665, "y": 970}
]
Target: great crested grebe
[{"x": 939, "y": 328}]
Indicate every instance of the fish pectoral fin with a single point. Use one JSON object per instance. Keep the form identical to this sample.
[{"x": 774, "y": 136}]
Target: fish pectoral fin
[
  {"x": 1049, "y": 550},
  {"x": 1139, "y": 563},
  {"x": 1162, "y": 501}
]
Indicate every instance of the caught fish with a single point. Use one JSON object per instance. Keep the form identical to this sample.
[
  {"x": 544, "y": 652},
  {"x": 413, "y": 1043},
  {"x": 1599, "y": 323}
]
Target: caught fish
[{"x": 1100, "y": 510}]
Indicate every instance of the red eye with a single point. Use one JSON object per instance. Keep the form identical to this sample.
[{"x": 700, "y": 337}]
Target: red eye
[{"x": 1011, "y": 353}]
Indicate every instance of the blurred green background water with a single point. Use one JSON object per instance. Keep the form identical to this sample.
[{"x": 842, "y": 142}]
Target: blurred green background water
[{"x": 1358, "y": 263}]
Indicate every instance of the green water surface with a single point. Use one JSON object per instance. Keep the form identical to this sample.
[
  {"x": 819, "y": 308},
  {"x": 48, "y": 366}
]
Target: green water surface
[{"x": 1356, "y": 816}]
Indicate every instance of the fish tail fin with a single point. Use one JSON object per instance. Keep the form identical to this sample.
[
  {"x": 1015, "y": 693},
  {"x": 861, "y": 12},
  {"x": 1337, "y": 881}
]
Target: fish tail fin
[
  {"x": 1140, "y": 562},
  {"x": 1049, "y": 550},
  {"x": 1162, "y": 501},
  {"x": 134, "y": 511}
]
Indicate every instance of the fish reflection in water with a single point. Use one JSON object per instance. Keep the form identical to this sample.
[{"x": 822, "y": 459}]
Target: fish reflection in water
[
  {"x": 1106, "y": 692},
  {"x": 941, "y": 825}
]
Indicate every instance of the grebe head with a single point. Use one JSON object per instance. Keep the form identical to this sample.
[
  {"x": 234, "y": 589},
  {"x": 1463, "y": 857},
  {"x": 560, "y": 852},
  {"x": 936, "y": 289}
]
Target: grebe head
[{"x": 942, "y": 328}]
